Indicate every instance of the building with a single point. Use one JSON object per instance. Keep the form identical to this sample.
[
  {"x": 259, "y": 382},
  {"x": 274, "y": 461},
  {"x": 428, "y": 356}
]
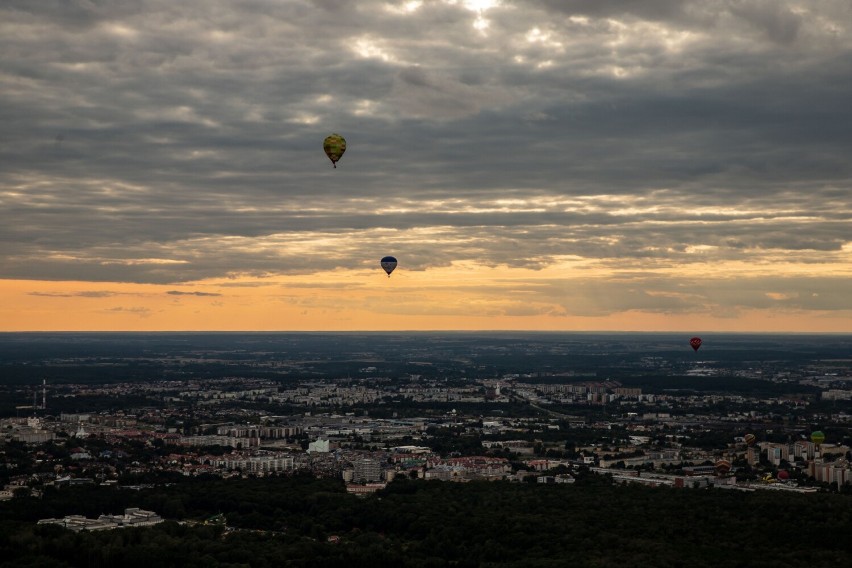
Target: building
[
  {"x": 366, "y": 470},
  {"x": 216, "y": 440},
  {"x": 774, "y": 453},
  {"x": 753, "y": 455},
  {"x": 318, "y": 446},
  {"x": 132, "y": 517},
  {"x": 33, "y": 436},
  {"x": 366, "y": 489},
  {"x": 839, "y": 471},
  {"x": 254, "y": 464}
]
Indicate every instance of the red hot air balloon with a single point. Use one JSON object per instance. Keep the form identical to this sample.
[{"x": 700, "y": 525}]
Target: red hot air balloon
[
  {"x": 783, "y": 475},
  {"x": 695, "y": 342},
  {"x": 723, "y": 466}
]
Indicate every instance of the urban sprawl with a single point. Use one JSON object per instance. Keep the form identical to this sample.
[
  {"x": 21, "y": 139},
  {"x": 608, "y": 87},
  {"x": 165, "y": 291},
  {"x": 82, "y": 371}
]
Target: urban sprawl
[{"x": 217, "y": 428}]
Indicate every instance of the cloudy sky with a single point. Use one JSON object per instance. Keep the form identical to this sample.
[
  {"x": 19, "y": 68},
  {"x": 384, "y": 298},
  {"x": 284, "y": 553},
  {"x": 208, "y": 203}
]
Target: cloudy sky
[{"x": 678, "y": 165}]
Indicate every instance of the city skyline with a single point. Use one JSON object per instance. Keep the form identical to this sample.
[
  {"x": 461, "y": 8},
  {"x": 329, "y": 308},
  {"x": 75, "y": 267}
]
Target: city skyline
[{"x": 656, "y": 166}]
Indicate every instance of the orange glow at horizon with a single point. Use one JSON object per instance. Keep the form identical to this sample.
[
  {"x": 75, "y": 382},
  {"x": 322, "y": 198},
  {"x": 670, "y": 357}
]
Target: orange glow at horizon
[{"x": 447, "y": 298}]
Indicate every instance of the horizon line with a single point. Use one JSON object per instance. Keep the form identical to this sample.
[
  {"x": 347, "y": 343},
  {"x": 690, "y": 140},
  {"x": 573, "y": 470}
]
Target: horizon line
[{"x": 415, "y": 331}]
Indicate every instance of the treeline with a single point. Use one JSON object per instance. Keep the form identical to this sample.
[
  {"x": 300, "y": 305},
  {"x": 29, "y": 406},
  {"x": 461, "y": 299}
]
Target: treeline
[
  {"x": 726, "y": 384},
  {"x": 308, "y": 522}
]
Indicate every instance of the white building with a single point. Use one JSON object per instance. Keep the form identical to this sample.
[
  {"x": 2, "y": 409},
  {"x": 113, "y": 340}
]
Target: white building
[
  {"x": 318, "y": 446},
  {"x": 132, "y": 517}
]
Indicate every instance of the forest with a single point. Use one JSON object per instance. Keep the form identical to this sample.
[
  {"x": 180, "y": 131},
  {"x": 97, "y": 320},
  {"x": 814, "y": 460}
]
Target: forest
[{"x": 302, "y": 521}]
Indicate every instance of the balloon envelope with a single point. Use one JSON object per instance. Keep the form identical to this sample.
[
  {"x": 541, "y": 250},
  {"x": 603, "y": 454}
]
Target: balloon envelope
[
  {"x": 783, "y": 475},
  {"x": 334, "y": 146},
  {"x": 723, "y": 467},
  {"x": 817, "y": 437},
  {"x": 388, "y": 263},
  {"x": 749, "y": 439},
  {"x": 695, "y": 342}
]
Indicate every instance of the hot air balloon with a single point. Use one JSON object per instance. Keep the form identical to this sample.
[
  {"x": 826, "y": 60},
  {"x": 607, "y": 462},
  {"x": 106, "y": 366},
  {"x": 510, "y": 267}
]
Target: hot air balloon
[
  {"x": 817, "y": 438},
  {"x": 750, "y": 439},
  {"x": 783, "y": 475},
  {"x": 695, "y": 342},
  {"x": 334, "y": 146},
  {"x": 388, "y": 263},
  {"x": 723, "y": 466}
]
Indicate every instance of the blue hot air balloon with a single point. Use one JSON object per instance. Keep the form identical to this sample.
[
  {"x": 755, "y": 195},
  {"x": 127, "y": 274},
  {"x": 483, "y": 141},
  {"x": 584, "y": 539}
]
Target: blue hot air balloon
[{"x": 388, "y": 263}]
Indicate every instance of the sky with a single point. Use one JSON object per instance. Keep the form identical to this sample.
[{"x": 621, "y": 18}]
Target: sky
[{"x": 663, "y": 165}]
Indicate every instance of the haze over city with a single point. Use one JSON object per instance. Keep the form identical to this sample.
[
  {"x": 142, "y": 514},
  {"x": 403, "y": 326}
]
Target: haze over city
[{"x": 661, "y": 165}]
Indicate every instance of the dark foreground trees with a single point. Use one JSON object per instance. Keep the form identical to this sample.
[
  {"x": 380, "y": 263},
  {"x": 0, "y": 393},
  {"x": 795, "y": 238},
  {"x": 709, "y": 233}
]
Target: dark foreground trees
[{"x": 305, "y": 522}]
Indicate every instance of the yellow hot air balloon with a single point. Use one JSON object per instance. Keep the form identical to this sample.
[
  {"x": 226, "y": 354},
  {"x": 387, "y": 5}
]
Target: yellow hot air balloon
[{"x": 334, "y": 146}]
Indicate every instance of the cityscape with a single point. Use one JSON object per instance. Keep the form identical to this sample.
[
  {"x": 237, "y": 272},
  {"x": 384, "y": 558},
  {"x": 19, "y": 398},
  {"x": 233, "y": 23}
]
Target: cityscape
[
  {"x": 373, "y": 426},
  {"x": 743, "y": 414},
  {"x": 425, "y": 284}
]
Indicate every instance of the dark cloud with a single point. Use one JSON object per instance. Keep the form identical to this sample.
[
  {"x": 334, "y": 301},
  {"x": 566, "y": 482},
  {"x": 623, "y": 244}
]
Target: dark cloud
[
  {"x": 144, "y": 142},
  {"x": 140, "y": 311},
  {"x": 51, "y": 294},
  {"x": 657, "y": 10},
  {"x": 778, "y": 20},
  {"x": 179, "y": 293},
  {"x": 84, "y": 294}
]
